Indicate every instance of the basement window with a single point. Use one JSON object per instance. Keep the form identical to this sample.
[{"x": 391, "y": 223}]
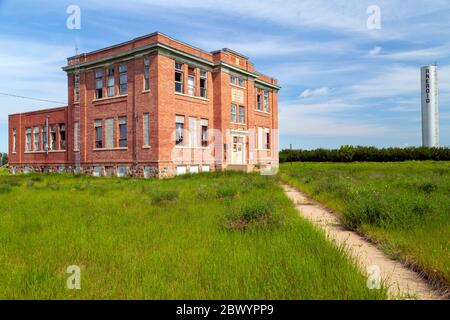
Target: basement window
[
  {"x": 111, "y": 82},
  {"x": 98, "y": 134},
  {"x": 28, "y": 139},
  {"x": 123, "y": 79},
  {"x": 179, "y": 77},
  {"x": 62, "y": 136},
  {"x": 123, "y": 132},
  {"x": 203, "y": 84},
  {"x": 98, "y": 84}
]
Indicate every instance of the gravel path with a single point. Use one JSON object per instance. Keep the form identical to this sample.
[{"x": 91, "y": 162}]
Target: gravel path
[{"x": 400, "y": 281}]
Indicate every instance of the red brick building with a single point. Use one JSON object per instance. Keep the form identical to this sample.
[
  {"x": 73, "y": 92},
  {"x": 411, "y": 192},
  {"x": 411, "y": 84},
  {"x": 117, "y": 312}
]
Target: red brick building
[{"x": 153, "y": 106}]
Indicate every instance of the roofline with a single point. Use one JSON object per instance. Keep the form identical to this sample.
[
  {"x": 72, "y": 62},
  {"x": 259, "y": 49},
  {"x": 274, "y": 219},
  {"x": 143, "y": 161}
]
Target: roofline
[
  {"x": 231, "y": 51},
  {"x": 54, "y": 109},
  {"x": 137, "y": 39}
]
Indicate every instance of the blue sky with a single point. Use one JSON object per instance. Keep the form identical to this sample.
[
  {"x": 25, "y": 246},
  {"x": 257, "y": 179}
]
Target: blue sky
[{"x": 342, "y": 83}]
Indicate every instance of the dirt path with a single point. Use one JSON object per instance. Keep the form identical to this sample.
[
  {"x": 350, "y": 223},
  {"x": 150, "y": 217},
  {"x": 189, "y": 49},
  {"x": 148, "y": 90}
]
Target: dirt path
[{"x": 400, "y": 281}]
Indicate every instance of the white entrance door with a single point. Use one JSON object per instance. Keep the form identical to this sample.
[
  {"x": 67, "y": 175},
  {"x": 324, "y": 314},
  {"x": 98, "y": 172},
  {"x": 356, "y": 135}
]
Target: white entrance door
[{"x": 237, "y": 151}]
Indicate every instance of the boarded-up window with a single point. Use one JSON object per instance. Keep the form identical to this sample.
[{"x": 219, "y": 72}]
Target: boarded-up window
[
  {"x": 76, "y": 136},
  {"x": 146, "y": 128},
  {"x": 260, "y": 138},
  {"x": 193, "y": 132},
  {"x": 109, "y": 132}
]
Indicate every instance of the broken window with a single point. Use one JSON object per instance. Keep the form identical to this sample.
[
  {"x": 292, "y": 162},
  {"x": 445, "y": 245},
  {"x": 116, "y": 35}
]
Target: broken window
[
  {"x": 123, "y": 132},
  {"x": 191, "y": 81},
  {"x": 146, "y": 124},
  {"x": 266, "y": 100},
  {"x": 36, "y": 138},
  {"x": 45, "y": 138},
  {"x": 99, "y": 84},
  {"x": 123, "y": 78},
  {"x": 179, "y": 130},
  {"x": 77, "y": 87},
  {"x": 62, "y": 136},
  {"x": 204, "y": 125},
  {"x": 98, "y": 134},
  {"x": 146, "y": 73},
  {"x": 110, "y": 82},
  {"x": 179, "y": 77},
  {"x": 203, "y": 84},
  {"x": 53, "y": 137},
  {"x": 259, "y": 99},
  {"x": 28, "y": 139}
]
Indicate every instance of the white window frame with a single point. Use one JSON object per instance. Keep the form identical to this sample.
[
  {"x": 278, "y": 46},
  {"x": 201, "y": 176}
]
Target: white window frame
[
  {"x": 28, "y": 145},
  {"x": 36, "y": 142}
]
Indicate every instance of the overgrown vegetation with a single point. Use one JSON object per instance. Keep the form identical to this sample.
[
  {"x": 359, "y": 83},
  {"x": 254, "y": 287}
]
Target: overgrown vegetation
[
  {"x": 365, "y": 154},
  {"x": 152, "y": 239},
  {"x": 405, "y": 206}
]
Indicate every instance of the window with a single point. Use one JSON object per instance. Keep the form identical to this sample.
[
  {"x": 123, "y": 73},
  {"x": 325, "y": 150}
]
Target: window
[
  {"x": 260, "y": 138},
  {"x": 109, "y": 133},
  {"x": 233, "y": 112},
  {"x": 241, "y": 114},
  {"x": 179, "y": 77},
  {"x": 98, "y": 134},
  {"x": 146, "y": 73},
  {"x": 179, "y": 130},
  {"x": 123, "y": 78},
  {"x": 146, "y": 127},
  {"x": 62, "y": 136},
  {"x": 77, "y": 87},
  {"x": 123, "y": 132},
  {"x": 204, "y": 125},
  {"x": 53, "y": 137},
  {"x": 45, "y": 138},
  {"x": 14, "y": 140},
  {"x": 266, "y": 100},
  {"x": 267, "y": 139},
  {"x": 36, "y": 138},
  {"x": 191, "y": 82},
  {"x": 111, "y": 82},
  {"x": 193, "y": 132},
  {"x": 258, "y": 99},
  {"x": 76, "y": 136},
  {"x": 237, "y": 81},
  {"x": 203, "y": 84},
  {"x": 28, "y": 139},
  {"x": 98, "y": 84}
]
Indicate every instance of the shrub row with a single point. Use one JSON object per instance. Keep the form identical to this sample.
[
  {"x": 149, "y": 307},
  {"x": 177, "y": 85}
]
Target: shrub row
[{"x": 365, "y": 154}]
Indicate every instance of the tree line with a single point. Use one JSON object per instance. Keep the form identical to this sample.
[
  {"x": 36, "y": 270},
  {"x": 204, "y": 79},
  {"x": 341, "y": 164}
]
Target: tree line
[{"x": 365, "y": 154}]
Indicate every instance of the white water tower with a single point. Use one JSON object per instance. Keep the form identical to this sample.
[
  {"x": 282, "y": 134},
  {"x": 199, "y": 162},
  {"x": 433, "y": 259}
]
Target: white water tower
[{"x": 430, "y": 106}]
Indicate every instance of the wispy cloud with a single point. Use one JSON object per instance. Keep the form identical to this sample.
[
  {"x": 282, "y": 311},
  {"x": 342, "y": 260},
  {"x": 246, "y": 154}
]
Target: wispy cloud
[{"x": 319, "y": 92}]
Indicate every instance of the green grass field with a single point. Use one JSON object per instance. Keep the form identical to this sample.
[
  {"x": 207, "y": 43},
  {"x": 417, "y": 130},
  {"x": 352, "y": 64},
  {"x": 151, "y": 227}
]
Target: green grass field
[
  {"x": 216, "y": 236},
  {"x": 403, "y": 206}
]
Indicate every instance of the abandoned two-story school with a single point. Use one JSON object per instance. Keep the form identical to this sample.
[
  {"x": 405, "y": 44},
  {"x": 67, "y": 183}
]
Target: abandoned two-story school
[{"x": 152, "y": 106}]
